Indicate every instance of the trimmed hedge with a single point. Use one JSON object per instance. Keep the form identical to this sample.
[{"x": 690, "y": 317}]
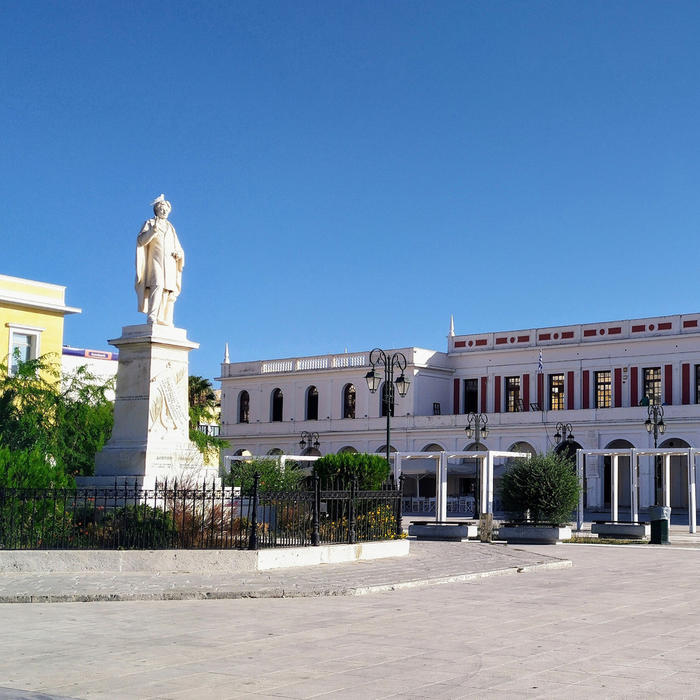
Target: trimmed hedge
[{"x": 371, "y": 470}]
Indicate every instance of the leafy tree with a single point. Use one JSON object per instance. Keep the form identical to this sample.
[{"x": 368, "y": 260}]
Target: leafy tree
[
  {"x": 30, "y": 469},
  {"x": 542, "y": 489},
  {"x": 65, "y": 420},
  {"x": 371, "y": 470},
  {"x": 272, "y": 476}
]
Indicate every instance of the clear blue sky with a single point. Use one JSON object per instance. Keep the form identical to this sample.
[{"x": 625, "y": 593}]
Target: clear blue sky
[{"x": 346, "y": 174}]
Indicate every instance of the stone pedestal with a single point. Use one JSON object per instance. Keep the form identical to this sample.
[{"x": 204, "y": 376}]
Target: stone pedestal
[{"x": 150, "y": 439}]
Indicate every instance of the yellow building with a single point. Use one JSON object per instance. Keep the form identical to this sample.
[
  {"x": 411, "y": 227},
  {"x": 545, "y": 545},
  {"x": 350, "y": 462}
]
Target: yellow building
[{"x": 31, "y": 319}]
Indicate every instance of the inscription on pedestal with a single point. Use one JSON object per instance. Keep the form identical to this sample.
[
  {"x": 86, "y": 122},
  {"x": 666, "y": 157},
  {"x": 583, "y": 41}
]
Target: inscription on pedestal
[{"x": 166, "y": 411}]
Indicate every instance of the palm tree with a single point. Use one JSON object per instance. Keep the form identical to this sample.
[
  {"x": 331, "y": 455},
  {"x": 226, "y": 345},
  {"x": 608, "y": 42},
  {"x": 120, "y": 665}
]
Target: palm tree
[{"x": 201, "y": 392}]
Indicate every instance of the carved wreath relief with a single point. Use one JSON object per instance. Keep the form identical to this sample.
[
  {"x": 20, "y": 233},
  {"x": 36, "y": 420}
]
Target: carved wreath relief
[{"x": 166, "y": 412}]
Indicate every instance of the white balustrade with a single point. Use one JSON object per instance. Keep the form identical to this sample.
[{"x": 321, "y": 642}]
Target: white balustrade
[
  {"x": 276, "y": 366},
  {"x": 311, "y": 363}
]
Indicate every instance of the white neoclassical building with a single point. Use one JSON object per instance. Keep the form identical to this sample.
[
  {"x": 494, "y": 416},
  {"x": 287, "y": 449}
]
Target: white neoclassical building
[{"x": 596, "y": 379}]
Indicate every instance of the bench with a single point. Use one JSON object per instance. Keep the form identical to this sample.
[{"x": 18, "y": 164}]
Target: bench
[
  {"x": 451, "y": 531},
  {"x": 621, "y": 529}
]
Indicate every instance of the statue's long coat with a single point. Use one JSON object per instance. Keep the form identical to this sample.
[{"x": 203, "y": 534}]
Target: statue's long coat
[{"x": 154, "y": 260}]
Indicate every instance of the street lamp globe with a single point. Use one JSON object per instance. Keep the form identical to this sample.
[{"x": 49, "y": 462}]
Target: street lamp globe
[
  {"x": 373, "y": 380},
  {"x": 402, "y": 385}
]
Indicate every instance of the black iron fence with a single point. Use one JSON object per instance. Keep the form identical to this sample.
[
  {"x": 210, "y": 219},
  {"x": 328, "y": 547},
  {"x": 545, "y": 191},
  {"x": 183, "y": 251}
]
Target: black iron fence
[{"x": 201, "y": 517}]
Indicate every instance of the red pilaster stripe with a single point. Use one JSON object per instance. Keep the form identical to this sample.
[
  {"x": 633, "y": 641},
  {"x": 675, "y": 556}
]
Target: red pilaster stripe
[
  {"x": 618, "y": 388},
  {"x": 586, "y": 389},
  {"x": 570, "y": 390},
  {"x": 668, "y": 384},
  {"x": 455, "y": 396},
  {"x": 497, "y": 394},
  {"x": 685, "y": 383},
  {"x": 484, "y": 384},
  {"x": 634, "y": 386},
  {"x": 526, "y": 392},
  {"x": 540, "y": 390}
]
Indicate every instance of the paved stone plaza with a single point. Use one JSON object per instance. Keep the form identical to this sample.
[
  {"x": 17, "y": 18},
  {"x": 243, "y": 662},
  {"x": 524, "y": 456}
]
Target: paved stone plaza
[{"x": 621, "y": 622}]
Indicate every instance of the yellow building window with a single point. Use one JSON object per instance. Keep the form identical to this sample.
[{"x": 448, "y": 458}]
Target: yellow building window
[{"x": 24, "y": 345}]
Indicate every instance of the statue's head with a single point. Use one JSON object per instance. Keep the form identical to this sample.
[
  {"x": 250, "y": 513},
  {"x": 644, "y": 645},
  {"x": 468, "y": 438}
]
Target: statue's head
[{"x": 162, "y": 207}]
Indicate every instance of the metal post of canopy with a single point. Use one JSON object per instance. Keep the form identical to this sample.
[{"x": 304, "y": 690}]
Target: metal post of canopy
[
  {"x": 634, "y": 485},
  {"x": 579, "y": 473}
]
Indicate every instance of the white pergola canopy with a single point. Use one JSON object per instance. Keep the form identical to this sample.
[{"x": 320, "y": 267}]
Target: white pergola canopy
[
  {"x": 691, "y": 453},
  {"x": 486, "y": 460},
  {"x": 282, "y": 459}
]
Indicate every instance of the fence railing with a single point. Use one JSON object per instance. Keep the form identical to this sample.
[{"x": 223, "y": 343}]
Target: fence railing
[{"x": 202, "y": 517}]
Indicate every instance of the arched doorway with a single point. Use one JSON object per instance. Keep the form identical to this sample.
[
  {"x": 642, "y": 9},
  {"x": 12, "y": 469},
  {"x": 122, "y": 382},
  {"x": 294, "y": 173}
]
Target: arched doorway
[
  {"x": 568, "y": 448},
  {"x": 679, "y": 474},
  {"x": 522, "y": 446},
  {"x": 623, "y": 475},
  {"x": 277, "y": 405},
  {"x": 347, "y": 449},
  {"x": 349, "y": 401},
  {"x": 312, "y": 403}
]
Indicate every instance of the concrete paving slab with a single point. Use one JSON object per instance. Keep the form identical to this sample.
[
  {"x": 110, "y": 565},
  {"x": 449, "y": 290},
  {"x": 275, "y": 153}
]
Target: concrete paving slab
[
  {"x": 601, "y": 628},
  {"x": 427, "y": 564}
]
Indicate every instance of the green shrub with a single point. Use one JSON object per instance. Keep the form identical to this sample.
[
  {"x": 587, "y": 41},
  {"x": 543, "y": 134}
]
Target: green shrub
[
  {"x": 30, "y": 469},
  {"x": 541, "y": 489},
  {"x": 140, "y": 527},
  {"x": 371, "y": 470},
  {"x": 272, "y": 476}
]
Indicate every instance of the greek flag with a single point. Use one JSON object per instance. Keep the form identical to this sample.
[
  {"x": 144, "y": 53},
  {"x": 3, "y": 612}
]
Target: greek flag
[{"x": 540, "y": 367}]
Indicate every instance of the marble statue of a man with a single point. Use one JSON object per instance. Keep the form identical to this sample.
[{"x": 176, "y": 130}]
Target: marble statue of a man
[{"x": 159, "y": 262}]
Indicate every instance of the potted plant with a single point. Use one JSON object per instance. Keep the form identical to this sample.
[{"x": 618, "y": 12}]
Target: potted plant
[{"x": 539, "y": 495}]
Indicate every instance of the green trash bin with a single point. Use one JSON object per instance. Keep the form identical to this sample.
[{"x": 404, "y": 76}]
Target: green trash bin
[{"x": 660, "y": 517}]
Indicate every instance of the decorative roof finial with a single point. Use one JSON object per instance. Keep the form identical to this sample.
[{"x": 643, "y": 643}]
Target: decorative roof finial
[
  {"x": 226, "y": 357},
  {"x": 452, "y": 326}
]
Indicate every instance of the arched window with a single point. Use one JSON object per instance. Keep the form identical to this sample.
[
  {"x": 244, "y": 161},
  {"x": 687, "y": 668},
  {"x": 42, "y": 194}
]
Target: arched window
[
  {"x": 243, "y": 407},
  {"x": 349, "y": 396},
  {"x": 387, "y": 393},
  {"x": 312, "y": 403},
  {"x": 277, "y": 405}
]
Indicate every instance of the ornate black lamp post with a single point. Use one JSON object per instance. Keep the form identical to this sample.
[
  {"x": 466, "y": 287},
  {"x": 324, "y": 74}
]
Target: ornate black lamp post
[
  {"x": 311, "y": 438},
  {"x": 564, "y": 432},
  {"x": 655, "y": 424},
  {"x": 374, "y": 380},
  {"x": 477, "y": 427}
]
